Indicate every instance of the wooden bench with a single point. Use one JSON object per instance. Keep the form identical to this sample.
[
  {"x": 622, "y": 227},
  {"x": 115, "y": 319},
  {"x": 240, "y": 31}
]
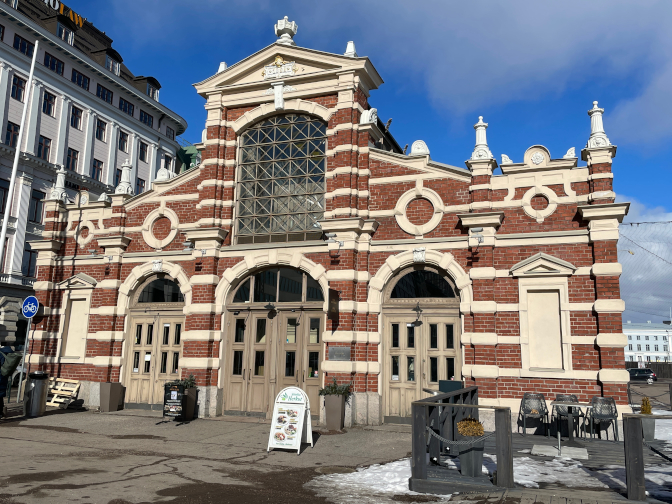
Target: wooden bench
[{"x": 62, "y": 392}]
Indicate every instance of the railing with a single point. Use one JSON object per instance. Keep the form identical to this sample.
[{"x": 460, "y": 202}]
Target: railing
[
  {"x": 27, "y": 281},
  {"x": 634, "y": 453},
  {"x": 440, "y": 415},
  {"x": 4, "y": 278}
]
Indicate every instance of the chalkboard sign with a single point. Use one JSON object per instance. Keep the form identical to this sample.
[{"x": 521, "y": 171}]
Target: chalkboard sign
[
  {"x": 339, "y": 353},
  {"x": 290, "y": 424},
  {"x": 173, "y": 400}
]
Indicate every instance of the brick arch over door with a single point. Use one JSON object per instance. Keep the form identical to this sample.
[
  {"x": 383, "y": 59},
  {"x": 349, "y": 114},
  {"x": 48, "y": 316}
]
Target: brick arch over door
[
  {"x": 396, "y": 263},
  {"x": 140, "y": 273},
  {"x": 262, "y": 259},
  {"x": 268, "y": 109}
]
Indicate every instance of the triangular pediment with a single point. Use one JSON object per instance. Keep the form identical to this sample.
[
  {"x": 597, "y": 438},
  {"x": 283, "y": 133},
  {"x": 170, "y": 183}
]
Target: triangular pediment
[
  {"x": 78, "y": 281},
  {"x": 293, "y": 64},
  {"x": 543, "y": 265}
]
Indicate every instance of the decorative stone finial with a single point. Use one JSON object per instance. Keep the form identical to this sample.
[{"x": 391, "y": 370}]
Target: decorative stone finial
[
  {"x": 103, "y": 197},
  {"x": 163, "y": 174},
  {"x": 571, "y": 153},
  {"x": 58, "y": 192},
  {"x": 481, "y": 150},
  {"x": 598, "y": 138},
  {"x": 222, "y": 67},
  {"x": 285, "y": 30},
  {"x": 125, "y": 186},
  {"x": 350, "y": 50},
  {"x": 506, "y": 159},
  {"x": 419, "y": 148},
  {"x": 369, "y": 116}
]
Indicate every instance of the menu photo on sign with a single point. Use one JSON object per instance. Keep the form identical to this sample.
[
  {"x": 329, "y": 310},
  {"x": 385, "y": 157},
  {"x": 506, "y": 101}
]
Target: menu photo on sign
[{"x": 290, "y": 424}]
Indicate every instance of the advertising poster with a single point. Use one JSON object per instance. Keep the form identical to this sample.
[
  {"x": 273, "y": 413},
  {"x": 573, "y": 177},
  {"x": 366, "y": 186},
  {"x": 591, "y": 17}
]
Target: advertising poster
[
  {"x": 290, "y": 424},
  {"x": 172, "y": 400}
]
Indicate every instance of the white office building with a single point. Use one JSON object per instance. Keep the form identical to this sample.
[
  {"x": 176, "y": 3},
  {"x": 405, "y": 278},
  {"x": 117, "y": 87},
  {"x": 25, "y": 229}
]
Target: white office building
[
  {"x": 647, "y": 342},
  {"x": 87, "y": 114}
]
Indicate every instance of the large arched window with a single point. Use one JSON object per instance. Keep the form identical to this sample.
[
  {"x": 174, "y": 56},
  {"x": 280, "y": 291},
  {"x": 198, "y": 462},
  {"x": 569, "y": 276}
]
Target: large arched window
[
  {"x": 281, "y": 182},
  {"x": 161, "y": 290},
  {"x": 279, "y": 285},
  {"x": 422, "y": 284}
]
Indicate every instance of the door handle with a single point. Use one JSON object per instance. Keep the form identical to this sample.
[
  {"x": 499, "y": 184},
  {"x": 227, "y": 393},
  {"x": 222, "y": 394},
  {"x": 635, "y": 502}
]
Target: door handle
[
  {"x": 304, "y": 375},
  {"x": 243, "y": 374},
  {"x": 249, "y": 373}
]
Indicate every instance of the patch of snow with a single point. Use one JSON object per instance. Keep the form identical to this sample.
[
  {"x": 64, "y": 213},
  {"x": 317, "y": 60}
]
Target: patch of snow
[
  {"x": 663, "y": 427},
  {"x": 658, "y": 479},
  {"x": 370, "y": 485},
  {"x": 561, "y": 471}
]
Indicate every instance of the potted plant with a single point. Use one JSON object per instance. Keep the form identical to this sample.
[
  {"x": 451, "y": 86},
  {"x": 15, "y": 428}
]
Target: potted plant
[
  {"x": 648, "y": 424},
  {"x": 335, "y": 398},
  {"x": 188, "y": 399},
  {"x": 471, "y": 455}
]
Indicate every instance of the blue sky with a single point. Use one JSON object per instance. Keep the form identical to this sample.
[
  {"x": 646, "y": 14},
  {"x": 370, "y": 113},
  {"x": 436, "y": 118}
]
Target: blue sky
[{"x": 531, "y": 68}]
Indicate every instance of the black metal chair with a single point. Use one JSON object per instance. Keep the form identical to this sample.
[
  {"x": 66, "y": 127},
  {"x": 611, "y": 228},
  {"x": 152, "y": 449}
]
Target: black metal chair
[
  {"x": 562, "y": 413},
  {"x": 533, "y": 406},
  {"x": 603, "y": 410}
]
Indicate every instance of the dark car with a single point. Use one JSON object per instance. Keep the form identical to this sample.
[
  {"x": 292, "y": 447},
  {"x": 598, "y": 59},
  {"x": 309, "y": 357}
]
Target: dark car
[{"x": 645, "y": 374}]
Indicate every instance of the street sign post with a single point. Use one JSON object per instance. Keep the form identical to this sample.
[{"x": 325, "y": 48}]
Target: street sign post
[{"x": 29, "y": 309}]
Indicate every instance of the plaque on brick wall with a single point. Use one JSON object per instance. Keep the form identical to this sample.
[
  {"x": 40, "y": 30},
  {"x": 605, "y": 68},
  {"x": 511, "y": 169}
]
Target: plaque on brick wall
[
  {"x": 339, "y": 353},
  {"x": 332, "y": 307}
]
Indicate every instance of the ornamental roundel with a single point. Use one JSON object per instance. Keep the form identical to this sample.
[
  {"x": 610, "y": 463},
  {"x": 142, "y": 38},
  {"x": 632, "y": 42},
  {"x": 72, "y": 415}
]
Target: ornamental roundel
[
  {"x": 419, "y": 211},
  {"x": 84, "y": 232},
  {"x": 160, "y": 227},
  {"x": 540, "y": 202}
]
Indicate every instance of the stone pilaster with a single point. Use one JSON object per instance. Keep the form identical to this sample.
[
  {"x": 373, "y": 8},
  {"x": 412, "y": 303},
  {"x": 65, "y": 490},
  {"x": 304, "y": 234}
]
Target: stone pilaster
[
  {"x": 18, "y": 243},
  {"x": 112, "y": 154},
  {"x": 87, "y": 158},
  {"x": 33, "y": 120},
  {"x": 62, "y": 139}
]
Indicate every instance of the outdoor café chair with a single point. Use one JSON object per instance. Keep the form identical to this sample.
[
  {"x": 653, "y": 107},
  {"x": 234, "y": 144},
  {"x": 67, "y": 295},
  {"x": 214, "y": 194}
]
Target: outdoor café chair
[
  {"x": 533, "y": 406},
  {"x": 603, "y": 410},
  {"x": 561, "y": 413}
]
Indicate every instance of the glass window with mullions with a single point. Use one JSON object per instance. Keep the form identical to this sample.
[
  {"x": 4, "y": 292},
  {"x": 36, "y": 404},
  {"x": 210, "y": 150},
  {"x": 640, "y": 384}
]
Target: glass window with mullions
[{"x": 281, "y": 182}]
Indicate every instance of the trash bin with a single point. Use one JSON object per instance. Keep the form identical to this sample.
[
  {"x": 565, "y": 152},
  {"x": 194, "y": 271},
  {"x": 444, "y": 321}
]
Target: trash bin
[
  {"x": 37, "y": 387},
  {"x": 111, "y": 396}
]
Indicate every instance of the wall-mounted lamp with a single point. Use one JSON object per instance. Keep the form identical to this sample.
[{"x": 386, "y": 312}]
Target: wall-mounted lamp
[
  {"x": 93, "y": 252},
  {"x": 188, "y": 246},
  {"x": 476, "y": 234},
  {"x": 417, "y": 311},
  {"x": 109, "y": 259},
  {"x": 236, "y": 313},
  {"x": 330, "y": 239},
  {"x": 269, "y": 307}
]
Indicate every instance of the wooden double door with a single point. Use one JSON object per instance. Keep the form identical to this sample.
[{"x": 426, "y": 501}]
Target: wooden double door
[
  {"x": 418, "y": 353},
  {"x": 268, "y": 352},
  {"x": 153, "y": 356}
]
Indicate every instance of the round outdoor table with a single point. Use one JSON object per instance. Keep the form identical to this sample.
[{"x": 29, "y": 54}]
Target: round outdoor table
[{"x": 570, "y": 423}]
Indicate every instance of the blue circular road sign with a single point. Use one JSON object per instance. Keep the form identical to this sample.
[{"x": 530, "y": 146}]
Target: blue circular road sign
[{"x": 30, "y": 306}]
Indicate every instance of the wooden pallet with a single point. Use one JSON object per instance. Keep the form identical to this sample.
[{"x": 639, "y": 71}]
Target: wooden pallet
[{"x": 62, "y": 392}]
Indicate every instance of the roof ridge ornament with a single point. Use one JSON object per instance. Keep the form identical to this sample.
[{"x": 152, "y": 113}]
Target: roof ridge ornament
[
  {"x": 285, "y": 31},
  {"x": 350, "y": 50},
  {"x": 598, "y": 138},
  {"x": 125, "y": 186},
  {"x": 58, "y": 192},
  {"x": 481, "y": 149}
]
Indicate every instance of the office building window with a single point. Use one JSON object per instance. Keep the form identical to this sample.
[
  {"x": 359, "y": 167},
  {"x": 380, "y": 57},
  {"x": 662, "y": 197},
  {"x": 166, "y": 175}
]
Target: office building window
[
  {"x": 53, "y": 64},
  {"x": 104, "y": 94},
  {"x": 147, "y": 119},
  {"x": 80, "y": 79},
  {"x": 647, "y": 348},
  {"x": 127, "y": 107},
  {"x": 655, "y": 338},
  {"x": 29, "y": 260},
  {"x": 143, "y": 152},
  {"x": 23, "y": 46},
  {"x": 630, "y": 347},
  {"x": 112, "y": 65},
  {"x": 73, "y": 160},
  {"x": 18, "y": 88},
  {"x": 637, "y": 338},
  {"x": 101, "y": 126},
  {"x": 44, "y": 148},
  {"x": 12, "y": 136},
  {"x": 65, "y": 34},
  {"x": 123, "y": 141},
  {"x": 630, "y": 338},
  {"x": 664, "y": 348},
  {"x": 2, "y": 32},
  {"x": 76, "y": 118},
  {"x": 49, "y": 103},
  {"x": 152, "y": 92},
  {"x": 139, "y": 186},
  {"x": 655, "y": 348},
  {"x": 646, "y": 338},
  {"x": 167, "y": 163},
  {"x": 664, "y": 338},
  {"x": 170, "y": 132},
  {"x": 4, "y": 191},
  {"x": 97, "y": 170},
  {"x": 117, "y": 177},
  {"x": 36, "y": 208},
  {"x": 639, "y": 348}
]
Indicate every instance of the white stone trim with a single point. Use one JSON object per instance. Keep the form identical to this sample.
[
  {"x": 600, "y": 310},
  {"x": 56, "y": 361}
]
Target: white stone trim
[
  {"x": 483, "y": 273},
  {"x": 609, "y": 306},
  {"x": 614, "y": 376},
  {"x": 87, "y": 224},
  {"x": 268, "y": 109},
  {"x": 204, "y": 280},
  {"x": 202, "y": 335},
  {"x": 107, "y": 336},
  {"x": 419, "y": 192},
  {"x": 611, "y": 340},
  {"x": 350, "y": 337},
  {"x": 607, "y": 269},
  {"x": 142, "y": 272},
  {"x": 489, "y": 339},
  {"x": 152, "y": 217},
  {"x": 199, "y": 363}
]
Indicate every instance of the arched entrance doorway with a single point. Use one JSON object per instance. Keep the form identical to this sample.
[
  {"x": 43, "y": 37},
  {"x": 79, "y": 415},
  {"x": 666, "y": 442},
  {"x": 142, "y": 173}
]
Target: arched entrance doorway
[
  {"x": 153, "y": 341},
  {"x": 421, "y": 337},
  {"x": 275, "y": 323}
]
